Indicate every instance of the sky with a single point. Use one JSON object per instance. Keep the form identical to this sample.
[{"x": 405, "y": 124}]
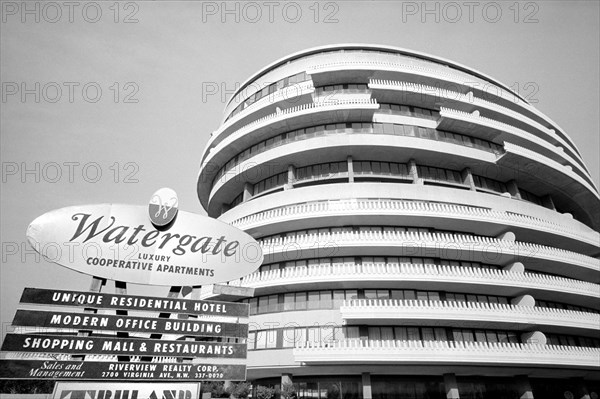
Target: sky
[{"x": 106, "y": 104}]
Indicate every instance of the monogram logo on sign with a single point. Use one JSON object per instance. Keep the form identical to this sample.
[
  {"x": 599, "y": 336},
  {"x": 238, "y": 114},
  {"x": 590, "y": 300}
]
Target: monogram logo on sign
[{"x": 163, "y": 206}]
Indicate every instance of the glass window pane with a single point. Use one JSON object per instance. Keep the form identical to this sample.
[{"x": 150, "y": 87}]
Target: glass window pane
[
  {"x": 440, "y": 334},
  {"x": 374, "y": 333},
  {"x": 413, "y": 333},
  {"x": 480, "y": 336},
  {"x": 387, "y": 333},
  {"x": 351, "y": 332},
  {"x": 400, "y": 333},
  {"x": 468, "y": 336},
  {"x": 272, "y": 338},
  {"x": 253, "y": 306},
  {"x": 262, "y": 304},
  {"x": 288, "y": 301},
  {"x": 491, "y": 336},
  {"x": 338, "y": 298},
  {"x": 300, "y": 335},
  {"x": 370, "y": 294},
  {"x": 300, "y": 300},
  {"x": 261, "y": 339},
  {"x": 428, "y": 334},
  {"x": 313, "y": 334},
  {"x": 272, "y": 303},
  {"x": 313, "y": 300},
  {"x": 326, "y": 301},
  {"x": 351, "y": 294},
  {"x": 251, "y": 340},
  {"x": 327, "y": 334}
]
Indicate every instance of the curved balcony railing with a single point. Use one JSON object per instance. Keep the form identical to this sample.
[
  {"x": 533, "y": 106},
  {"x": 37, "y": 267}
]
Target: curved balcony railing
[
  {"x": 543, "y": 160},
  {"x": 231, "y": 167},
  {"x": 418, "y": 272},
  {"x": 280, "y": 115},
  {"x": 394, "y": 309},
  {"x": 418, "y": 208},
  {"x": 282, "y": 94},
  {"x": 493, "y": 124},
  {"x": 445, "y": 73},
  {"x": 437, "y": 70},
  {"x": 480, "y": 353},
  {"x": 458, "y": 242},
  {"x": 473, "y": 101}
]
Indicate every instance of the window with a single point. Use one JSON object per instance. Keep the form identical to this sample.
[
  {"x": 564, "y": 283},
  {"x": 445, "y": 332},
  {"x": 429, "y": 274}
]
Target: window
[
  {"x": 272, "y": 305},
  {"x": 313, "y": 300},
  {"x": 253, "y": 306},
  {"x": 288, "y": 338},
  {"x": 261, "y": 339},
  {"x": 326, "y": 301},
  {"x": 300, "y": 300},
  {"x": 271, "y": 338},
  {"x": 251, "y": 340},
  {"x": 289, "y": 301}
]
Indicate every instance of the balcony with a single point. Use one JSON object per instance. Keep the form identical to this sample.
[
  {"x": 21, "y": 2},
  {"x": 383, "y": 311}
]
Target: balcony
[
  {"x": 435, "y": 352},
  {"x": 442, "y": 245},
  {"x": 436, "y": 277},
  {"x": 297, "y": 94},
  {"x": 490, "y": 129},
  {"x": 426, "y": 96},
  {"x": 287, "y": 113},
  {"x": 270, "y": 125},
  {"x": 538, "y": 173},
  {"x": 480, "y": 220},
  {"x": 469, "y": 315}
]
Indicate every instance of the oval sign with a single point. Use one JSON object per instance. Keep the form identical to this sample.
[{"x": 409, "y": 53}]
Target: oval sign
[
  {"x": 118, "y": 242},
  {"x": 163, "y": 206}
]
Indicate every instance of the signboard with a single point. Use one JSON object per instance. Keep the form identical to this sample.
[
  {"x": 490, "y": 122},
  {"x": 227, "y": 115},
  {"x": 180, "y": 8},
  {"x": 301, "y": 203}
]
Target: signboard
[
  {"x": 98, "y": 390},
  {"x": 102, "y": 322},
  {"x": 107, "y": 371},
  {"x": 163, "y": 207},
  {"x": 118, "y": 242},
  {"x": 99, "y": 300},
  {"x": 120, "y": 346}
]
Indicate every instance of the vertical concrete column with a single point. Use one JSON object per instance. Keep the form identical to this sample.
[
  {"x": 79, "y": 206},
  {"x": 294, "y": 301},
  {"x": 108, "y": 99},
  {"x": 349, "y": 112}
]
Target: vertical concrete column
[
  {"x": 523, "y": 387},
  {"x": 350, "y": 170},
  {"x": 515, "y": 267},
  {"x": 467, "y": 177},
  {"x": 534, "y": 337},
  {"x": 507, "y": 236},
  {"x": 548, "y": 203},
  {"x": 366, "y": 386},
  {"x": 248, "y": 188},
  {"x": 451, "y": 386},
  {"x": 286, "y": 378},
  {"x": 414, "y": 172},
  {"x": 291, "y": 177},
  {"x": 513, "y": 189},
  {"x": 523, "y": 300}
]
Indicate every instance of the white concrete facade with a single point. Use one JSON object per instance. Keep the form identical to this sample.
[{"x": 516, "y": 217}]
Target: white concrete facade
[{"x": 417, "y": 218}]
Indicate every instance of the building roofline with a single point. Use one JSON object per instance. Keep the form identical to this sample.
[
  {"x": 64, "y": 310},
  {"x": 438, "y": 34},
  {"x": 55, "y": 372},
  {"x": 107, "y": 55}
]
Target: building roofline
[{"x": 363, "y": 46}]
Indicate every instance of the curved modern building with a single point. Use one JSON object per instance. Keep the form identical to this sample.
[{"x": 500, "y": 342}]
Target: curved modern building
[{"x": 427, "y": 232}]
